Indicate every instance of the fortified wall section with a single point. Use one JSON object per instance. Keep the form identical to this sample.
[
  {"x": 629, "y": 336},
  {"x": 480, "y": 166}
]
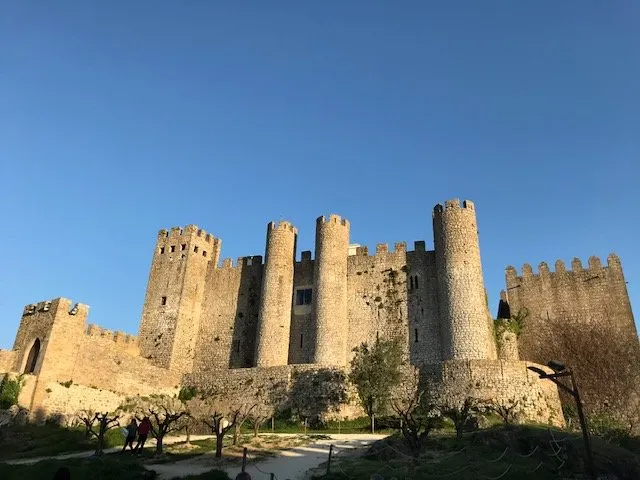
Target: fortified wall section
[
  {"x": 301, "y": 337},
  {"x": 171, "y": 312},
  {"x": 467, "y": 328},
  {"x": 231, "y": 304},
  {"x": 394, "y": 294},
  {"x": 596, "y": 294}
]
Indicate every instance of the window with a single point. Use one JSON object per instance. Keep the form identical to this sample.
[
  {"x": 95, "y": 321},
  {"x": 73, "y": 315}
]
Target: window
[
  {"x": 161, "y": 250},
  {"x": 183, "y": 246},
  {"x": 163, "y": 301},
  {"x": 32, "y": 359},
  {"x": 415, "y": 333},
  {"x": 415, "y": 281},
  {"x": 301, "y": 337},
  {"x": 195, "y": 249},
  {"x": 410, "y": 283},
  {"x": 303, "y": 296},
  {"x": 204, "y": 253}
]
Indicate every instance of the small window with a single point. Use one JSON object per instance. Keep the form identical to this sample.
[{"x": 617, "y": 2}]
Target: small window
[
  {"x": 204, "y": 253},
  {"x": 183, "y": 246},
  {"x": 415, "y": 281},
  {"x": 410, "y": 283},
  {"x": 301, "y": 338},
  {"x": 195, "y": 249},
  {"x": 304, "y": 296},
  {"x": 173, "y": 248},
  {"x": 163, "y": 301},
  {"x": 161, "y": 250},
  {"x": 415, "y": 333}
]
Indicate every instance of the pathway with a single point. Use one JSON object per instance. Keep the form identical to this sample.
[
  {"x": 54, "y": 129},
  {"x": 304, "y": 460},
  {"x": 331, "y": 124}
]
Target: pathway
[{"x": 289, "y": 464}]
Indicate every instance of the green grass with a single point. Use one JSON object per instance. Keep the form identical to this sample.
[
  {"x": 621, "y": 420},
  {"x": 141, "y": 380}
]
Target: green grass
[
  {"x": 47, "y": 440},
  {"x": 522, "y": 453},
  {"x": 107, "y": 467}
]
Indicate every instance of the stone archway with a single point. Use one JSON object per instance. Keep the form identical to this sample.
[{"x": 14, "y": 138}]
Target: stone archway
[{"x": 32, "y": 359}]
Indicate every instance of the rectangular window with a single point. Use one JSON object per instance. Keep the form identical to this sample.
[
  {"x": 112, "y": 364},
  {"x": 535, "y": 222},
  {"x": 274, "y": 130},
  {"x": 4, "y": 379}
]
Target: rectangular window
[
  {"x": 173, "y": 248},
  {"x": 161, "y": 250},
  {"x": 183, "y": 246},
  {"x": 204, "y": 253},
  {"x": 163, "y": 301},
  {"x": 304, "y": 296},
  {"x": 301, "y": 340},
  {"x": 415, "y": 331},
  {"x": 195, "y": 249}
]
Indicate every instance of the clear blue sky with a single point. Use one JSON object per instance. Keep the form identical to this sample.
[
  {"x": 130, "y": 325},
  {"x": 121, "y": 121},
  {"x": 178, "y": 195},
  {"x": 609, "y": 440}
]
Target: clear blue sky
[{"x": 120, "y": 118}]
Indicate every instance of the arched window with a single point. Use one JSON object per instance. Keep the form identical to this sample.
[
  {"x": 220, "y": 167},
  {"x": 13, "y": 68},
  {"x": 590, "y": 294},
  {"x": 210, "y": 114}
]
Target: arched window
[{"x": 32, "y": 359}]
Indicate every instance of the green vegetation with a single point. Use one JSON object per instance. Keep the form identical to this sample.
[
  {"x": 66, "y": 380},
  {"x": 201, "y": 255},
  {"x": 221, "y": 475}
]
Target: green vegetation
[
  {"x": 107, "y": 467},
  {"x": 521, "y": 452},
  {"x": 10, "y": 390},
  {"x": 375, "y": 372}
]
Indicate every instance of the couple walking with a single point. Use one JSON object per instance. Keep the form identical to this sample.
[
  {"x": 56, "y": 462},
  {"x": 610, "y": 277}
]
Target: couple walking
[{"x": 142, "y": 431}]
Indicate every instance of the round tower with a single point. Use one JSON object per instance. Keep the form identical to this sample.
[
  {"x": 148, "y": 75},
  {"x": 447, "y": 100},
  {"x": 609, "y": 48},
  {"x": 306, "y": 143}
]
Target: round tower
[
  {"x": 274, "y": 319},
  {"x": 467, "y": 330},
  {"x": 330, "y": 291}
]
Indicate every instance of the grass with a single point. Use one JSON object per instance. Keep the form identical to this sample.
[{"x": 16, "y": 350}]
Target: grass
[
  {"x": 47, "y": 440},
  {"x": 522, "y": 453}
]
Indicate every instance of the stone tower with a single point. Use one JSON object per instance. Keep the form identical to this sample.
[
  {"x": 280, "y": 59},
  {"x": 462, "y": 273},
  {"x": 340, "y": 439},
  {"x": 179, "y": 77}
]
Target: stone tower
[
  {"x": 467, "y": 331},
  {"x": 330, "y": 291},
  {"x": 171, "y": 312},
  {"x": 274, "y": 320}
]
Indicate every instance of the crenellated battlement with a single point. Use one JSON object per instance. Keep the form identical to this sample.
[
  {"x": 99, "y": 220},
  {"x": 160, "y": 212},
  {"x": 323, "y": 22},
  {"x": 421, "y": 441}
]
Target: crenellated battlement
[
  {"x": 594, "y": 264},
  {"x": 283, "y": 225},
  {"x": 333, "y": 219},
  {"x": 383, "y": 249},
  {"x": 117, "y": 336},
  {"x": 53, "y": 306},
  {"x": 188, "y": 231},
  {"x": 249, "y": 261},
  {"x": 453, "y": 204}
]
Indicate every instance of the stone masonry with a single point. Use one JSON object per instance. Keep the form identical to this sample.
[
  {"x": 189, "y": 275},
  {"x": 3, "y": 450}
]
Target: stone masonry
[{"x": 208, "y": 322}]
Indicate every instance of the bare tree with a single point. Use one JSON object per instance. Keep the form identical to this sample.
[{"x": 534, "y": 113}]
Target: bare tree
[
  {"x": 165, "y": 413},
  {"x": 97, "y": 424},
  {"x": 460, "y": 410},
  {"x": 508, "y": 409},
  {"x": 413, "y": 401}
]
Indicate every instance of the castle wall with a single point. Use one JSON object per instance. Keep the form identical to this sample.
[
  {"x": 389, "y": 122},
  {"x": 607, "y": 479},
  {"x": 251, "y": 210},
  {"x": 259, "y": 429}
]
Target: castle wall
[
  {"x": 500, "y": 381},
  {"x": 274, "y": 319},
  {"x": 394, "y": 295},
  {"x": 227, "y": 334},
  {"x": 172, "y": 307},
  {"x": 302, "y": 330},
  {"x": 7, "y": 360},
  {"x": 596, "y": 294},
  {"x": 468, "y": 330},
  {"x": 330, "y": 291}
]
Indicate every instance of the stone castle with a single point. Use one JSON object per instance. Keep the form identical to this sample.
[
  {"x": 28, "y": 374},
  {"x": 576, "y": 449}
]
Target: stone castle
[{"x": 208, "y": 322}]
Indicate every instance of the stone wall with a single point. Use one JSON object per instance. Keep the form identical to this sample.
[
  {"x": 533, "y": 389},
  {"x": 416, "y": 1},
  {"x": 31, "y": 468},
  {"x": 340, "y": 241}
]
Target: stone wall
[
  {"x": 597, "y": 294},
  {"x": 231, "y": 304},
  {"x": 394, "y": 294},
  {"x": 75, "y": 398},
  {"x": 301, "y": 337},
  {"x": 7, "y": 360}
]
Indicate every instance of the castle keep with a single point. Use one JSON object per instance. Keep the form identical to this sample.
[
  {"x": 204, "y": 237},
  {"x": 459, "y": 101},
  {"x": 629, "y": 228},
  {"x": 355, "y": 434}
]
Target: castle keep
[{"x": 207, "y": 321}]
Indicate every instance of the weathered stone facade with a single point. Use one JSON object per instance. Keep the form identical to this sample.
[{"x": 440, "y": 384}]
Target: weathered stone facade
[{"x": 207, "y": 322}]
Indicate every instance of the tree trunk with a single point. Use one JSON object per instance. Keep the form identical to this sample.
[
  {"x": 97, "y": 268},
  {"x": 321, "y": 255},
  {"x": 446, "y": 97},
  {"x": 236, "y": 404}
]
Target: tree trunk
[
  {"x": 373, "y": 423},
  {"x": 219, "y": 443},
  {"x": 235, "y": 433},
  {"x": 159, "y": 444},
  {"x": 100, "y": 446},
  {"x": 256, "y": 429},
  {"x": 187, "y": 430},
  {"x": 459, "y": 429}
]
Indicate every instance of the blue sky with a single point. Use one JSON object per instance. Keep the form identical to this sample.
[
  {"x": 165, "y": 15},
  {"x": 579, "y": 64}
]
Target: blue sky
[{"x": 120, "y": 118}]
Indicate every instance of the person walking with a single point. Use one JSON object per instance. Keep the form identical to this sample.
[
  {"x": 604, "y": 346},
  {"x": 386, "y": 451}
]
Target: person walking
[
  {"x": 132, "y": 429},
  {"x": 143, "y": 433}
]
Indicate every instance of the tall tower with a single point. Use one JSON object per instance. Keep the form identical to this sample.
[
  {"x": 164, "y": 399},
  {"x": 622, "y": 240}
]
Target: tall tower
[
  {"x": 274, "y": 320},
  {"x": 171, "y": 312},
  {"x": 330, "y": 291},
  {"x": 467, "y": 331}
]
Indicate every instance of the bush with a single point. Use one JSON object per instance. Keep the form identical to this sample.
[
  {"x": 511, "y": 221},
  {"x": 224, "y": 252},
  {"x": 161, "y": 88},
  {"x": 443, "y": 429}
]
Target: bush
[{"x": 10, "y": 390}]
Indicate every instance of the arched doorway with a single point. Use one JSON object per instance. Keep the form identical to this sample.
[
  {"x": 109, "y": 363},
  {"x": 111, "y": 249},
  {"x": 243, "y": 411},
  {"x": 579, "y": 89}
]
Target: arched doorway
[{"x": 32, "y": 359}]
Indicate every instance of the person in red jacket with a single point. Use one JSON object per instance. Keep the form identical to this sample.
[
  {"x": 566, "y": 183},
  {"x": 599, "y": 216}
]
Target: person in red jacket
[{"x": 143, "y": 433}]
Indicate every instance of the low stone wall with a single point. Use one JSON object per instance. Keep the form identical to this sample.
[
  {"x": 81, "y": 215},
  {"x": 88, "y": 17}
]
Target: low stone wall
[
  {"x": 7, "y": 358},
  {"x": 71, "y": 400},
  {"x": 501, "y": 381}
]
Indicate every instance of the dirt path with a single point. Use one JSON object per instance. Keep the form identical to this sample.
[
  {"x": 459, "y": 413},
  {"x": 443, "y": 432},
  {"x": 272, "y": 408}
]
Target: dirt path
[
  {"x": 289, "y": 464},
  {"x": 151, "y": 443}
]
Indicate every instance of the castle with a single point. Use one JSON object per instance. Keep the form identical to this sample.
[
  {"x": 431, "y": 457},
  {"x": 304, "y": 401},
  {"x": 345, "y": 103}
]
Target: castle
[{"x": 206, "y": 321}]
